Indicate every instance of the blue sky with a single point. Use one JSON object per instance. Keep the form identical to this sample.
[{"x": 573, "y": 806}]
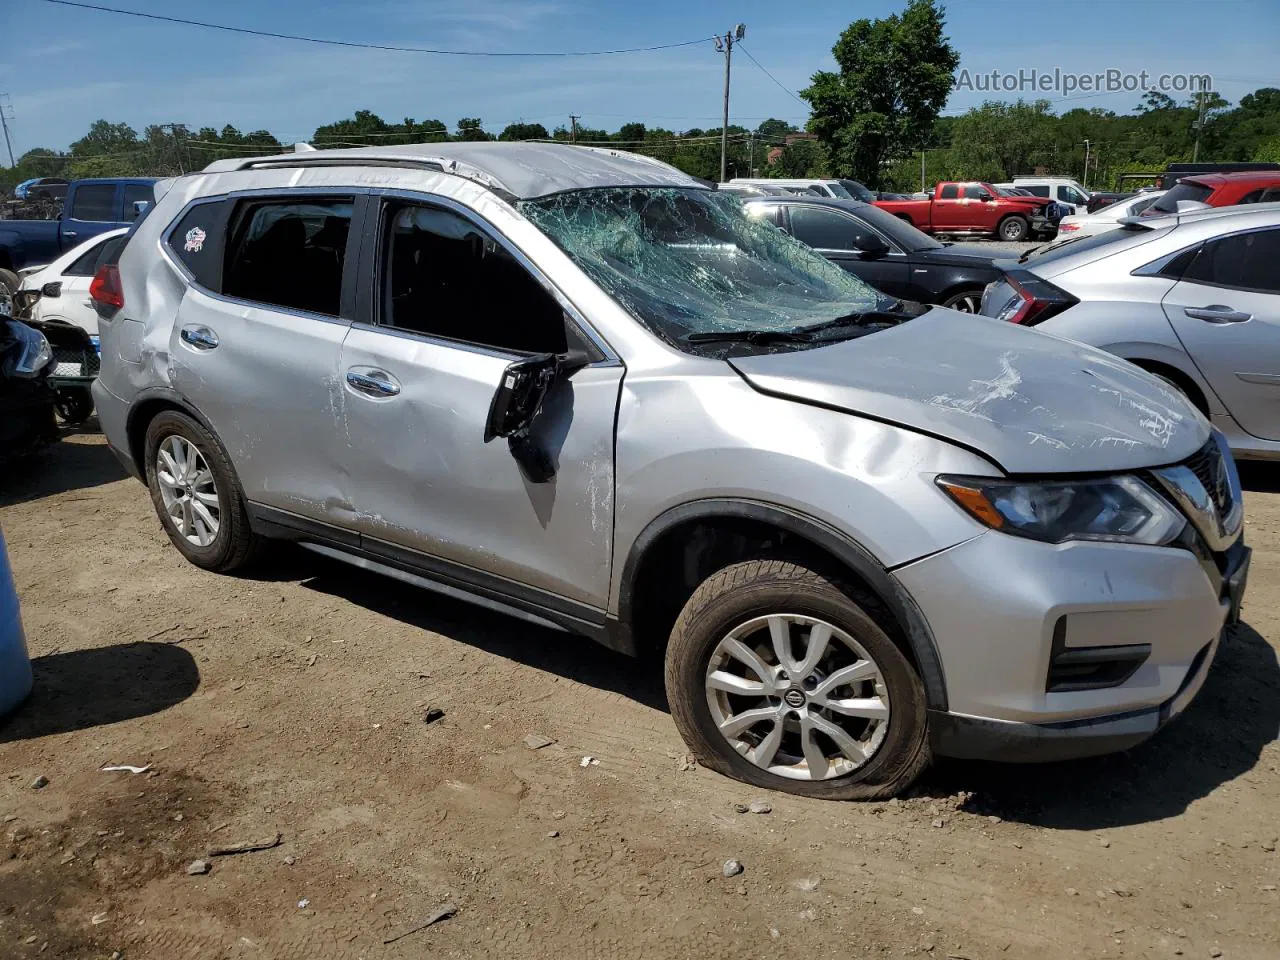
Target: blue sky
[{"x": 73, "y": 66}]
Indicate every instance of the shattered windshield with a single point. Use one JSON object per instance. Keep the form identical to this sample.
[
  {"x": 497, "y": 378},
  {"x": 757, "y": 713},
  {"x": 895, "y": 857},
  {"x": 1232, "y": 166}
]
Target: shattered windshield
[{"x": 691, "y": 264}]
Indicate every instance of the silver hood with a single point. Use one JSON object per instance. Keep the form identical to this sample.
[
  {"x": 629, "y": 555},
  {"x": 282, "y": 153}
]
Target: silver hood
[{"x": 1033, "y": 403}]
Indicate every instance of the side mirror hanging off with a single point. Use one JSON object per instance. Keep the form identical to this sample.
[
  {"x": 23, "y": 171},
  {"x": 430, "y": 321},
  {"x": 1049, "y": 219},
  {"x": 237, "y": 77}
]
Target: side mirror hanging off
[{"x": 518, "y": 400}]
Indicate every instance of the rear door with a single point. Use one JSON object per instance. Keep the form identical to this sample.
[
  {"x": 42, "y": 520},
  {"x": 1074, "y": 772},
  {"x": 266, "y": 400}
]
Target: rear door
[
  {"x": 449, "y": 304},
  {"x": 1226, "y": 311},
  {"x": 92, "y": 209},
  {"x": 256, "y": 345},
  {"x": 837, "y": 236}
]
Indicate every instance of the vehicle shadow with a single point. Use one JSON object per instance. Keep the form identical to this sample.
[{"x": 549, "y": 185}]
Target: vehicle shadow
[
  {"x": 564, "y": 654},
  {"x": 104, "y": 685},
  {"x": 1220, "y": 737},
  {"x": 59, "y": 468},
  {"x": 1259, "y": 476}
]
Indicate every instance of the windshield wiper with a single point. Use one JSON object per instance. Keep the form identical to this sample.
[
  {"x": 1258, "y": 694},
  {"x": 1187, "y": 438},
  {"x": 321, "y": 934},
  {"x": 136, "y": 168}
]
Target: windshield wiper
[
  {"x": 860, "y": 318},
  {"x": 1027, "y": 253},
  {"x": 749, "y": 336}
]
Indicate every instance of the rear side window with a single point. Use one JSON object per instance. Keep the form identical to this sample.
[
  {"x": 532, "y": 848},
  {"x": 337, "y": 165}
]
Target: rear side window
[
  {"x": 1181, "y": 191},
  {"x": 195, "y": 241},
  {"x": 94, "y": 202},
  {"x": 86, "y": 265},
  {"x": 950, "y": 192},
  {"x": 289, "y": 253},
  {"x": 1244, "y": 261}
]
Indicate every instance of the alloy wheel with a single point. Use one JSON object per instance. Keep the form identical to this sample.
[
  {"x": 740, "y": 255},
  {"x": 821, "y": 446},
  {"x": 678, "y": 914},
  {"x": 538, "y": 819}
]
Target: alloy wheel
[
  {"x": 187, "y": 490},
  {"x": 966, "y": 303},
  {"x": 797, "y": 696}
]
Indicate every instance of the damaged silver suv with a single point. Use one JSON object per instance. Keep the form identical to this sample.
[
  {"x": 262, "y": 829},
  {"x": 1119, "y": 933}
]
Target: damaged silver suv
[{"x": 582, "y": 387}]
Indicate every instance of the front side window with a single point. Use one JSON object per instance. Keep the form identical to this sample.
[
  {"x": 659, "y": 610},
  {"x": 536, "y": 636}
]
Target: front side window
[
  {"x": 687, "y": 261},
  {"x": 825, "y": 229},
  {"x": 445, "y": 277},
  {"x": 287, "y": 253},
  {"x": 94, "y": 202},
  {"x": 974, "y": 191},
  {"x": 136, "y": 193},
  {"x": 1244, "y": 261}
]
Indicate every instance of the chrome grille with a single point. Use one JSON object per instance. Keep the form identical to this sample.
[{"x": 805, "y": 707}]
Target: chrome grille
[
  {"x": 1210, "y": 469},
  {"x": 1207, "y": 489}
]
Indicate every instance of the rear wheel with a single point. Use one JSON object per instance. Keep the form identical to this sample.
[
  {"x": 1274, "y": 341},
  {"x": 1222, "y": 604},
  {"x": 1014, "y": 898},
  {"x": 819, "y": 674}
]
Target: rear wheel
[
  {"x": 1014, "y": 228},
  {"x": 197, "y": 495},
  {"x": 10, "y": 279},
  {"x": 966, "y": 301},
  {"x": 777, "y": 675},
  {"x": 74, "y": 405}
]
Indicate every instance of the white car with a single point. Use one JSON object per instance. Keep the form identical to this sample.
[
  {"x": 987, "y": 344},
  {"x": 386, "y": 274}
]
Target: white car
[
  {"x": 64, "y": 284},
  {"x": 1108, "y": 218},
  {"x": 1068, "y": 193}
]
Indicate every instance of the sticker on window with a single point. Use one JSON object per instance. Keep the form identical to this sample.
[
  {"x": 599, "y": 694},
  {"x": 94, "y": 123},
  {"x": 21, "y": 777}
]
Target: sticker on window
[{"x": 195, "y": 240}]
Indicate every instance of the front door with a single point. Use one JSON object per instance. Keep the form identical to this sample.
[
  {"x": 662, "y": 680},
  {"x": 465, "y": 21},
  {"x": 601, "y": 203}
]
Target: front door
[
  {"x": 453, "y": 308},
  {"x": 1226, "y": 312},
  {"x": 839, "y": 237},
  {"x": 949, "y": 210},
  {"x": 256, "y": 345}
]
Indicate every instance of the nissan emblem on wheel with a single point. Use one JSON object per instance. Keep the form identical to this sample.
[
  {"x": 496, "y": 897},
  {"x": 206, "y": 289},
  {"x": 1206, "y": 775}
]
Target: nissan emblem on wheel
[{"x": 587, "y": 390}]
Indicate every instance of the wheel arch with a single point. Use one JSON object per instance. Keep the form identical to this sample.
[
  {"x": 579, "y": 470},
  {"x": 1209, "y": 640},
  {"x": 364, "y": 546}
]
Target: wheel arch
[
  {"x": 150, "y": 404},
  {"x": 1180, "y": 378},
  {"x": 674, "y": 541}
]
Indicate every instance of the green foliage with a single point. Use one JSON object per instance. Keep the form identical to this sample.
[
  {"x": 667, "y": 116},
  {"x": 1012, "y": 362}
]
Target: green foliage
[
  {"x": 471, "y": 129},
  {"x": 895, "y": 76},
  {"x": 524, "y": 131}
]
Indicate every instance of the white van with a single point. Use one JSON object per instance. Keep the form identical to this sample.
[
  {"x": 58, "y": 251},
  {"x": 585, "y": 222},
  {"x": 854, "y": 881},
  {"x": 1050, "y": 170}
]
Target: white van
[{"x": 1071, "y": 196}]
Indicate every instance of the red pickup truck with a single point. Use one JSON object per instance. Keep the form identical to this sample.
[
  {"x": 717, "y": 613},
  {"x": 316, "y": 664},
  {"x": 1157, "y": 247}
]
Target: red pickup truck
[{"x": 978, "y": 208}]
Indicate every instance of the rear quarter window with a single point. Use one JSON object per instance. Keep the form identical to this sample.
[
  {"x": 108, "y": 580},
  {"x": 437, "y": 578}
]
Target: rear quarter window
[
  {"x": 1181, "y": 191},
  {"x": 196, "y": 241}
]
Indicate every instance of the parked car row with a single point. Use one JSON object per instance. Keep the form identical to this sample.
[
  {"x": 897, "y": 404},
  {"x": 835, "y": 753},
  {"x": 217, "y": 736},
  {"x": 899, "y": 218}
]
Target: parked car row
[{"x": 862, "y": 531}]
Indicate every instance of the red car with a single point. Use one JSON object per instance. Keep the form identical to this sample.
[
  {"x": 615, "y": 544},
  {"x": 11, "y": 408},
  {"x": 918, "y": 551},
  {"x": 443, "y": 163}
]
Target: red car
[
  {"x": 1219, "y": 190},
  {"x": 978, "y": 208}
]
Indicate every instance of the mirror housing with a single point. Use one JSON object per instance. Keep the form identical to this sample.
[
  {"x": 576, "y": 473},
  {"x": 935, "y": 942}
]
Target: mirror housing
[
  {"x": 518, "y": 401},
  {"x": 872, "y": 245},
  {"x": 51, "y": 289}
]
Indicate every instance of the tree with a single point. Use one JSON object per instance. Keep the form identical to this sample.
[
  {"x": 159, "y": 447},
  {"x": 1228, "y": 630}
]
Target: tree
[
  {"x": 631, "y": 133},
  {"x": 469, "y": 128},
  {"x": 895, "y": 76},
  {"x": 998, "y": 140},
  {"x": 105, "y": 138},
  {"x": 524, "y": 131}
]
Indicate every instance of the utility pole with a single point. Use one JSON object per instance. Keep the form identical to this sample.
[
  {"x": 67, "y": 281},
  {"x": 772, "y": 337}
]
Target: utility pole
[
  {"x": 922, "y": 171},
  {"x": 751, "y": 153},
  {"x": 1201, "y": 96},
  {"x": 725, "y": 45},
  {"x": 573, "y": 127},
  {"x": 1085, "y": 182},
  {"x": 4, "y": 122}
]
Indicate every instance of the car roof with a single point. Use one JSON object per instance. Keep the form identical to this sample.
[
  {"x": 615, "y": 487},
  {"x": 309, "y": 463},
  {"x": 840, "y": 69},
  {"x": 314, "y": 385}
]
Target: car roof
[
  {"x": 1267, "y": 212},
  {"x": 811, "y": 201},
  {"x": 523, "y": 170},
  {"x": 1248, "y": 177}
]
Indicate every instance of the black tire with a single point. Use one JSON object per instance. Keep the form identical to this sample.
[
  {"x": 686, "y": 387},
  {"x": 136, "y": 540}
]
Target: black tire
[
  {"x": 10, "y": 280},
  {"x": 1013, "y": 229},
  {"x": 756, "y": 588},
  {"x": 235, "y": 544},
  {"x": 966, "y": 301},
  {"x": 74, "y": 405}
]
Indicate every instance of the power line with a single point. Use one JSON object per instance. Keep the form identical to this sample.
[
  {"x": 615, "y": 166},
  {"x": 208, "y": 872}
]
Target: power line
[
  {"x": 785, "y": 90},
  {"x": 376, "y": 46}
]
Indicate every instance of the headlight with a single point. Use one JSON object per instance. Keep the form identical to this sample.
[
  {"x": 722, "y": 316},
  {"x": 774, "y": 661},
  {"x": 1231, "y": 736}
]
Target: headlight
[
  {"x": 1120, "y": 509},
  {"x": 35, "y": 353}
]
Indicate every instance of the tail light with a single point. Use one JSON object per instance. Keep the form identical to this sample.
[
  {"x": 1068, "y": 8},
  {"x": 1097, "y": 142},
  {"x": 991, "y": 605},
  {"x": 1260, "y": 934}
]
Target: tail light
[
  {"x": 1068, "y": 227},
  {"x": 105, "y": 288},
  {"x": 1034, "y": 300}
]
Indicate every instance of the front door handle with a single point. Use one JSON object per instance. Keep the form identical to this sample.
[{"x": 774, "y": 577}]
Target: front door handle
[
  {"x": 1217, "y": 313},
  {"x": 202, "y": 338},
  {"x": 372, "y": 382},
  {"x": 69, "y": 233}
]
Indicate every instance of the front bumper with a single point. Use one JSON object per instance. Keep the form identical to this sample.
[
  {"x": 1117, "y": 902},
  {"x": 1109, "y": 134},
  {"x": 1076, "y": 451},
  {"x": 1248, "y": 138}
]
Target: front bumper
[{"x": 1004, "y": 610}]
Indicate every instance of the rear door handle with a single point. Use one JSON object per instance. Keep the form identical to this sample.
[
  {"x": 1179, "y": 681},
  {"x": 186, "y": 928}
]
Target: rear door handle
[
  {"x": 372, "y": 382},
  {"x": 1217, "y": 313},
  {"x": 69, "y": 233},
  {"x": 202, "y": 338}
]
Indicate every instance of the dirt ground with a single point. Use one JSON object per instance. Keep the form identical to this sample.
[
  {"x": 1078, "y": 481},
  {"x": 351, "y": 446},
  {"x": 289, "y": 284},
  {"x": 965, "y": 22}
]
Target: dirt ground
[{"x": 295, "y": 703}]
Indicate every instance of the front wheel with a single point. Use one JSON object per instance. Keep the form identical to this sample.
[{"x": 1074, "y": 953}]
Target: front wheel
[
  {"x": 778, "y": 676},
  {"x": 197, "y": 495},
  {"x": 1014, "y": 228},
  {"x": 10, "y": 280}
]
